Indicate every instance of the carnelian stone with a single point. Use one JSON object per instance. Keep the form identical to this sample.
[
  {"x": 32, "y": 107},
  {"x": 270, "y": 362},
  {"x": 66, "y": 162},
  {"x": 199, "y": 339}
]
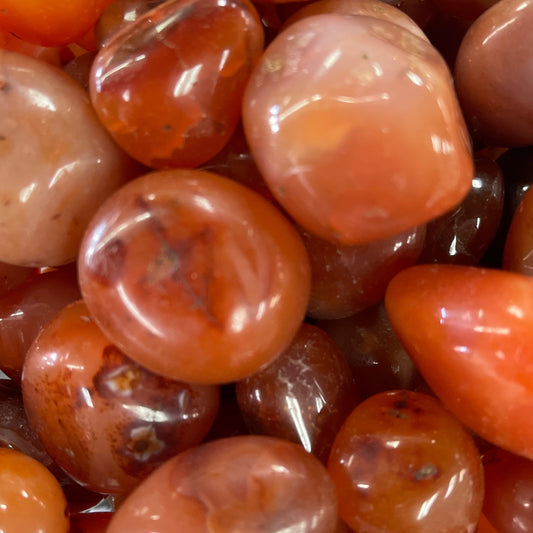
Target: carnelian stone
[
  {"x": 53, "y": 55},
  {"x": 369, "y": 8},
  {"x": 118, "y": 14},
  {"x": 518, "y": 251},
  {"x": 169, "y": 86},
  {"x": 355, "y": 126},
  {"x": 58, "y": 163},
  {"x": 31, "y": 500},
  {"x": 508, "y": 491},
  {"x": 494, "y": 74},
  {"x": 250, "y": 483},
  {"x": 517, "y": 168},
  {"x": 17, "y": 434},
  {"x": 374, "y": 352},
  {"x": 348, "y": 279},
  {"x": 105, "y": 420},
  {"x": 304, "y": 395},
  {"x": 464, "y": 234},
  {"x": 469, "y": 332},
  {"x": 27, "y": 309},
  {"x": 50, "y": 23},
  {"x": 194, "y": 276},
  {"x": 401, "y": 462}
]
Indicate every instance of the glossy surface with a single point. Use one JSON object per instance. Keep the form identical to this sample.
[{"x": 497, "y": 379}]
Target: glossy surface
[
  {"x": 494, "y": 77},
  {"x": 374, "y": 352},
  {"x": 253, "y": 484},
  {"x": 52, "y": 22},
  {"x": 469, "y": 332},
  {"x": 303, "y": 396},
  {"x": 401, "y": 463},
  {"x": 53, "y": 55},
  {"x": 31, "y": 500},
  {"x": 169, "y": 86},
  {"x": 26, "y": 310},
  {"x": 369, "y": 8},
  {"x": 101, "y": 417},
  {"x": 51, "y": 184},
  {"x": 518, "y": 251},
  {"x": 349, "y": 279},
  {"x": 194, "y": 276},
  {"x": 333, "y": 113},
  {"x": 464, "y": 234},
  {"x": 118, "y": 14},
  {"x": 17, "y": 434},
  {"x": 508, "y": 491}
]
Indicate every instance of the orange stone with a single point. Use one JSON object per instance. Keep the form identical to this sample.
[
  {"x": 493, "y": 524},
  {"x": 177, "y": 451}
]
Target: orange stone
[{"x": 355, "y": 126}]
